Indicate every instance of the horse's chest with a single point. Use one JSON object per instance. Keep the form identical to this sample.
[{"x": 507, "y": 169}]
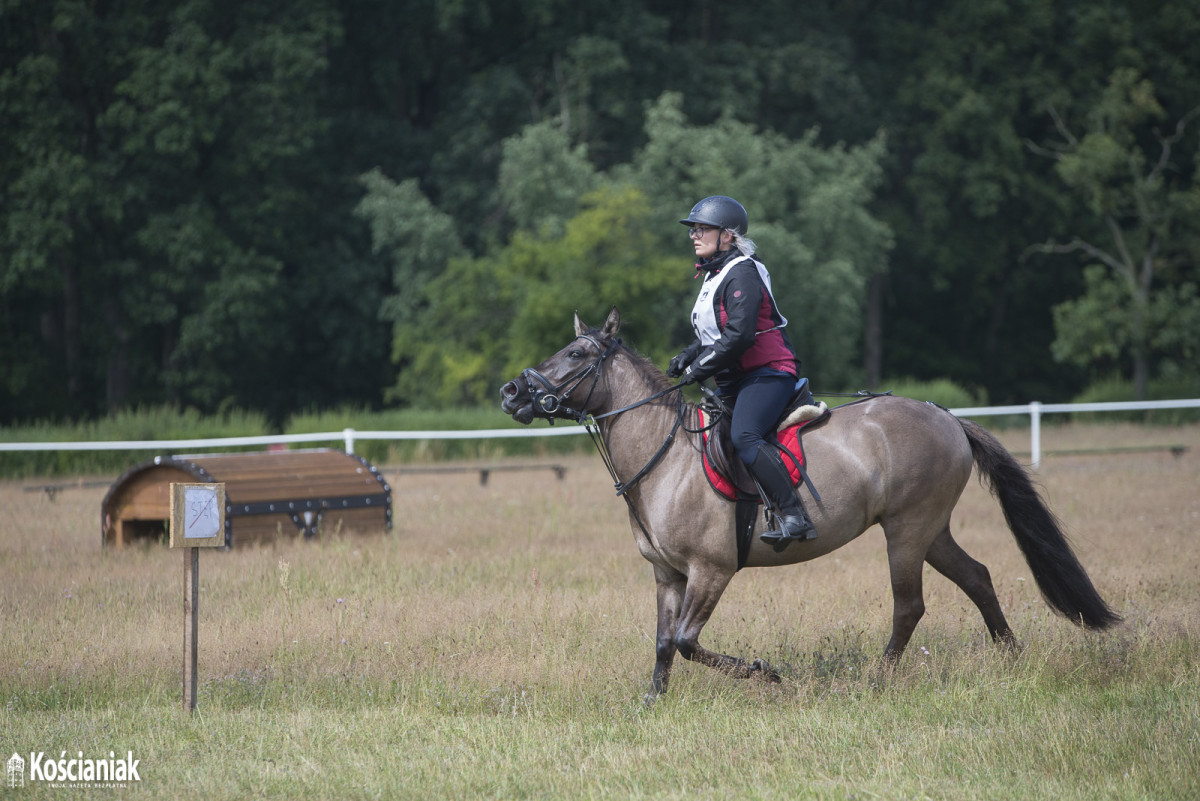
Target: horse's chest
[
  {"x": 650, "y": 548},
  {"x": 672, "y": 549},
  {"x": 646, "y": 548}
]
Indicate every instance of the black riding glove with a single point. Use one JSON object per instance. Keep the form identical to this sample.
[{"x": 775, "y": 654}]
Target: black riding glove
[
  {"x": 679, "y": 363},
  {"x": 694, "y": 373}
]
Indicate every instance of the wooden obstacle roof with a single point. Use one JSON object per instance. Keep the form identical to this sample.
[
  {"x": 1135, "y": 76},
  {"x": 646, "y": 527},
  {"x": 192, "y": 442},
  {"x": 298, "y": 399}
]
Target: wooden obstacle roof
[{"x": 266, "y": 494}]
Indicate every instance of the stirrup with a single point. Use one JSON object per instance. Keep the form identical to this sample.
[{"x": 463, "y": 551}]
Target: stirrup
[{"x": 781, "y": 537}]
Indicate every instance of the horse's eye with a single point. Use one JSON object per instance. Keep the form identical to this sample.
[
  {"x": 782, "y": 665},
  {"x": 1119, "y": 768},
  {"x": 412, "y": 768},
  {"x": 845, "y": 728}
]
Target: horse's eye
[{"x": 576, "y": 354}]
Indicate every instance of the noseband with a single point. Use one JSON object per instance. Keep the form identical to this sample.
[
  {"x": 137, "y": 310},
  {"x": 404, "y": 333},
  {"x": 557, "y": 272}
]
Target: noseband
[{"x": 549, "y": 399}]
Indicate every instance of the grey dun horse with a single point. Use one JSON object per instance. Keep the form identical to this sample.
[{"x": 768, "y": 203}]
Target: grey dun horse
[{"x": 889, "y": 460}]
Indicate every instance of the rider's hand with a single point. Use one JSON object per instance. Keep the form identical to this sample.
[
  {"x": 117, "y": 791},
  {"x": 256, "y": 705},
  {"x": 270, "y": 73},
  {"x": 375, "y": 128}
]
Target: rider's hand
[{"x": 678, "y": 365}]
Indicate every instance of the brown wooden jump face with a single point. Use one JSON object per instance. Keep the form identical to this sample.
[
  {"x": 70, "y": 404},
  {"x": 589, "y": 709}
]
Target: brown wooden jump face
[{"x": 267, "y": 494}]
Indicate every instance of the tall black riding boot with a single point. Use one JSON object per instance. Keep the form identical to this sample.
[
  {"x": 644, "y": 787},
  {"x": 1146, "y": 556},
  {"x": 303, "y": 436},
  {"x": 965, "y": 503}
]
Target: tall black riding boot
[{"x": 773, "y": 479}]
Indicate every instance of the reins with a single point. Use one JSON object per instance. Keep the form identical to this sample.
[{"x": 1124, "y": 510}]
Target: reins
[
  {"x": 622, "y": 487},
  {"x": 593, "y": 430},
  {"x": 642, "y": 402}
]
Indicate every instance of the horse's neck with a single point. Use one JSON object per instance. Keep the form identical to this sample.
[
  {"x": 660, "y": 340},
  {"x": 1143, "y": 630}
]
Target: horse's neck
[{"x": 635, "y": 436}]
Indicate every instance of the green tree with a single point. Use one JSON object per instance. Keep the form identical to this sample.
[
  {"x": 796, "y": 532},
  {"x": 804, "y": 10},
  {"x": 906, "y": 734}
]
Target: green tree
[
  {"x": 955, "y": 86},
  {"x": 542, "y": 178},
  {"x": 417, "y": 238},
  {"x": 489, "y": 317},
  {"x": 156, "y": 158},
  {"x": 809, "y": 213},
  {"x": 181, "y": 178},
  {"x": 1136, "y": 294}
]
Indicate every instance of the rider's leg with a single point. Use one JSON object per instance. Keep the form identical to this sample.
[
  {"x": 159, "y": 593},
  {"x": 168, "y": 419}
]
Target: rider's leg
[
  {"x": 760, "y": 402},
  {"x": 772, "y": 476}
]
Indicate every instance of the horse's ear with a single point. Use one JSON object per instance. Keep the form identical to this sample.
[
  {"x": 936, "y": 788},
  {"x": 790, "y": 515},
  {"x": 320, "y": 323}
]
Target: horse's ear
[
  {"x": 580, "y": 326},
  {"x": 612, "y": 324}
]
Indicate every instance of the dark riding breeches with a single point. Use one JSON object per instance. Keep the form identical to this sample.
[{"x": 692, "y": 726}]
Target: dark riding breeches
[{"x": 759, "y": 403}]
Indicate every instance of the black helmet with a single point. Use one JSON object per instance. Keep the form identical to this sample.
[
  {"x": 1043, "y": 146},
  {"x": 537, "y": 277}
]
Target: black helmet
[{"x": 721, "y": 211}]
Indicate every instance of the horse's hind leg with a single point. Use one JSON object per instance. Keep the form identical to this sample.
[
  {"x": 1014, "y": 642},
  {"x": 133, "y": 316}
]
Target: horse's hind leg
[
  {"x": 905, "y": 563},
  {"x": 948, "y": 558}
]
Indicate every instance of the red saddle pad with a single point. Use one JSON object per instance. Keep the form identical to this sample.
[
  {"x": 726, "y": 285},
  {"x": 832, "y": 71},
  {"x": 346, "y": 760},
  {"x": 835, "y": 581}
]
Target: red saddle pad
[{"x": 789, "y": 440}]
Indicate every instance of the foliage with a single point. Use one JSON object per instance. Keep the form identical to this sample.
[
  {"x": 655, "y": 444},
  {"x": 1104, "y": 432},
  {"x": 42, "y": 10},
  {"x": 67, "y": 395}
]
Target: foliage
[
  {"x": 161, "y": 220},
  {"x": 208, "y": 203},
  {"x": 128, "y": 425},
  {"x": 171, "y": 423},
  {"x": 542, "y": 178},
  {"x": 489, "y": 317},
  {"x": 942, "y": 391},
  {"x": 809, "y": 216},
  {"x": 1139, "y": 302},
  {"x": 413, "y": 232},
  {"x": 403, "y": 451}
]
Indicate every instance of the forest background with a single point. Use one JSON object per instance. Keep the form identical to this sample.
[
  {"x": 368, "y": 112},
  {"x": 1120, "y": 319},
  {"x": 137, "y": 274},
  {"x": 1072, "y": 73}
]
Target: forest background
[{"x": 278, "y": 207}]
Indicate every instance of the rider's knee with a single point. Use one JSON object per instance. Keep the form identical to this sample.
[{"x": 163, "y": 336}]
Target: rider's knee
[{"x": 746, "y": 444}]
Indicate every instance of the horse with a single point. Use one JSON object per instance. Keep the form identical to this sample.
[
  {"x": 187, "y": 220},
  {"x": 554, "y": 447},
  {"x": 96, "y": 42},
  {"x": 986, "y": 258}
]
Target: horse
[{"x": 888, "y": 460}]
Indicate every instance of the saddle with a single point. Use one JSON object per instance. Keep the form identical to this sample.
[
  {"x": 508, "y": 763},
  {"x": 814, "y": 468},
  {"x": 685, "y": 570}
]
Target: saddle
[{"x": 727, "y": 474}]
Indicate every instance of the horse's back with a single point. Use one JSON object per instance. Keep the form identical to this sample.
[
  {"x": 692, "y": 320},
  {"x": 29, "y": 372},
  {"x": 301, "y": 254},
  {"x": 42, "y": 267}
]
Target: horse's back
[
  {"x": 885, "y": 457},
  {"x": 895, "y": 430}
]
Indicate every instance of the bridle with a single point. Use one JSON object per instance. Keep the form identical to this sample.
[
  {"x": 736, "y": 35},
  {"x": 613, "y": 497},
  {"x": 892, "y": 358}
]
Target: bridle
[
  {"x": 549, "y": 399},
  {"x": 549, "y": 402}
]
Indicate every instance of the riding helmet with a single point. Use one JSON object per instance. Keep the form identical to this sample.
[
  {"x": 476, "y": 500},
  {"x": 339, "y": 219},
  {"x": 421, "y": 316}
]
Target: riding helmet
[{"x": 721, "y": 211}]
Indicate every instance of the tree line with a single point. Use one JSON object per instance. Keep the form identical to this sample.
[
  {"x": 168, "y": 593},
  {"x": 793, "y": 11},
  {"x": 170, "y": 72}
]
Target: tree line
[{"x": 288, "y": 206}]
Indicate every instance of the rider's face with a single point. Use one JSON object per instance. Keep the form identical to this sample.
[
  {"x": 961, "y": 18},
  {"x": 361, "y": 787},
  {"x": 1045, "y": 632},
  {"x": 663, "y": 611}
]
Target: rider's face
[{"x": 706, "y": 240}]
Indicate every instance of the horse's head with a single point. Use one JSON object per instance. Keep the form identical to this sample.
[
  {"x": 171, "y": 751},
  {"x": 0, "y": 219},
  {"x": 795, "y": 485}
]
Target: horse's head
[{"x": 565, "y": 384}]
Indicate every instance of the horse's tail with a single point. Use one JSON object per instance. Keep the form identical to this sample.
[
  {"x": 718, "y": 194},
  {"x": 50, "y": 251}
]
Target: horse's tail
[{"x": 1062, "y": 580}]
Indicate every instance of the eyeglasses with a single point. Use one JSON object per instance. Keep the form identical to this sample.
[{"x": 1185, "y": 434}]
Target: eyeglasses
[{"x": 698, "y": 231}]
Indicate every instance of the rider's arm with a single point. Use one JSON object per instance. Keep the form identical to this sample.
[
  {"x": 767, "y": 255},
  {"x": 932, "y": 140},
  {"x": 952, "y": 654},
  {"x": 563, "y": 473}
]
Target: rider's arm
[{"x": 741, "y": 297}]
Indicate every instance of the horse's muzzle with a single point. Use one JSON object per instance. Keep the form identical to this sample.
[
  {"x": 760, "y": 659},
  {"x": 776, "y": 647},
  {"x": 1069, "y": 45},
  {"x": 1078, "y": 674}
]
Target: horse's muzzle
[{"x": 516, "y": 401}]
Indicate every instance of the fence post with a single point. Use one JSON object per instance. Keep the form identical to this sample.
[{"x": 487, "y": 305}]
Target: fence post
[
  {"x": 348, "y": 435},
  {"x": 1035, "y": 432}
]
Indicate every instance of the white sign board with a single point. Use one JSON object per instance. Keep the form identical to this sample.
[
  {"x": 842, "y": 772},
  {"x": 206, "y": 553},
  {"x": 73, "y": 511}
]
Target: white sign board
[{"x": 197, "y": 515}]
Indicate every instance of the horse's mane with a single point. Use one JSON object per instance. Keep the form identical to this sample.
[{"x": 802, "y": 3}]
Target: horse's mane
[{"x": 655, "y": 379}]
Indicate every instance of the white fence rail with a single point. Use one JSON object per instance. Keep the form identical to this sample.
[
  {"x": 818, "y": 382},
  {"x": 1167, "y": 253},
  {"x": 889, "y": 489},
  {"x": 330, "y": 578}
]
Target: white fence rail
[
  {"x": 349, "y": 436},
  {"x": 1035, "y": 410}
]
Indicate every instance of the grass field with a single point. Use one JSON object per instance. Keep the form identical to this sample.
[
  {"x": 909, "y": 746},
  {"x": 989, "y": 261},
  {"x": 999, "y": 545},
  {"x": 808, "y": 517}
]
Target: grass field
[{"x": 498, "y": 643}]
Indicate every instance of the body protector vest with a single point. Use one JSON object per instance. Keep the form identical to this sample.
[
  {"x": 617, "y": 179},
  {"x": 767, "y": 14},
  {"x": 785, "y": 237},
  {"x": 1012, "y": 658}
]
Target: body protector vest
[{"x": 758, "y": 340}]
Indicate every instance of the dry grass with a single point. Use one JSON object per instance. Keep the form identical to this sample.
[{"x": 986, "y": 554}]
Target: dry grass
[{"x": 497, "y": 644}]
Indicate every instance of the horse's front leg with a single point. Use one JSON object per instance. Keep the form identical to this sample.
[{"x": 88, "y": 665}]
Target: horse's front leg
[
  {"x": 670, "y": 598},
  {"x": 704, "y": 589}
]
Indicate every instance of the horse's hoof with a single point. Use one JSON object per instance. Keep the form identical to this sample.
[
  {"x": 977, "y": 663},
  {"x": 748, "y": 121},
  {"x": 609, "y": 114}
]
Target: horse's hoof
[
  {"x": 767, "y": 672},
  {"x": 1008, "y": 644}
]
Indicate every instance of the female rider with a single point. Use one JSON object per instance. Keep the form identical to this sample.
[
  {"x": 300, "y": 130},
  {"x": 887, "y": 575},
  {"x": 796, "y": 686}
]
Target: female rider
[{"x": 740, "y": 341}]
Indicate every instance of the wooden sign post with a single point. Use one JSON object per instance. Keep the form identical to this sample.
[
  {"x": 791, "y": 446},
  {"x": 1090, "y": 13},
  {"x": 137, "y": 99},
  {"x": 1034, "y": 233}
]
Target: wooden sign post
[{"x": 197, "y": 521}]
